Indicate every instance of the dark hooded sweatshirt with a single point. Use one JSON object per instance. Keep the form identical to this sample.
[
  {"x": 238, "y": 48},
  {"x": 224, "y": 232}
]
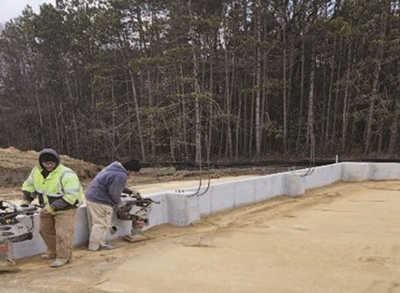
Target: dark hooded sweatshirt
[{"x": 107, "y": 186}]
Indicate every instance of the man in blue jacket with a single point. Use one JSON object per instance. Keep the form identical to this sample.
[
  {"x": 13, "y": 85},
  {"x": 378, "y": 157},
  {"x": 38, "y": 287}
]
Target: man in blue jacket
[{"x": 104, "y": 196}]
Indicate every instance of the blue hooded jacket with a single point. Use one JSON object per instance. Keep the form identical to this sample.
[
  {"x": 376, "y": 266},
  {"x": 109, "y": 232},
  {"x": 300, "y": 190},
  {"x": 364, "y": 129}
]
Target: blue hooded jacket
[{"x": 107, "y": 186}]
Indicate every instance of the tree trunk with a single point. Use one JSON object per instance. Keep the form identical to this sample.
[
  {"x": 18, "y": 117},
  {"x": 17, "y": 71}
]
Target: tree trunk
[
  {"x": 258, "y": 127},
  {"x": 375, "y": 90},
  {"x": 138, "y": 121},
  {"x": 395, "y": 124},
  {"x": 337, "y": 94},
  {"x": 302, "y": 79},
  {"x": 284, "y": 95},
  {"x": 310, "y": 119},
  {"x": 330, "y": 93},
  {"x": 198, "y": 156},
  {"x": 184, "y": 121},
  {"x": 228, "y": 99},
  {"x": 346, "y": 102}
]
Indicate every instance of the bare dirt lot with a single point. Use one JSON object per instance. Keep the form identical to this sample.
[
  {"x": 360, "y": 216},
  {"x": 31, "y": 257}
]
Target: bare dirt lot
[{"x": 340, "y": 238}]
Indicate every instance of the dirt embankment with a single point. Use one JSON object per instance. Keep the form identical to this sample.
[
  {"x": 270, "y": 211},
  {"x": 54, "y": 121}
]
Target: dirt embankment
[{"x": 15, "y": 166}]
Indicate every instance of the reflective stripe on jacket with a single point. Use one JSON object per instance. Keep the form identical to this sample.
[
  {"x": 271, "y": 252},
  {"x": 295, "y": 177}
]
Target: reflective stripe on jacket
[{"x": 62, "y": 182}]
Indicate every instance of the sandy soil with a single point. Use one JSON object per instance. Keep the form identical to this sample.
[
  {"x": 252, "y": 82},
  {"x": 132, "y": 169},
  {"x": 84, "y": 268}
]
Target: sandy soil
[{"x": 340, "y": 238}]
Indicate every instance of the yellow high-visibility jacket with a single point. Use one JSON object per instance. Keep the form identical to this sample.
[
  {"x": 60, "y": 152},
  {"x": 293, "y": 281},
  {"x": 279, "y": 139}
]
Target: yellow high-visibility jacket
[{"x": 62, "y": 182}]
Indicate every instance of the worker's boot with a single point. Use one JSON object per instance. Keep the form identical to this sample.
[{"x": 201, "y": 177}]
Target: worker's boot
[
  {"x": 106, "y": 246},
  {"x": 135, "y": 238},
  {"x": 59, "y": 262}
]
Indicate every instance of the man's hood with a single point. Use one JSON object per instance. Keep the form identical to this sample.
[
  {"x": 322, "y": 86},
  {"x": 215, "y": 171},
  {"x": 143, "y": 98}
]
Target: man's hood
[
  {"x": 116, "y": 167},
  {"x": 49, "y": 151}
]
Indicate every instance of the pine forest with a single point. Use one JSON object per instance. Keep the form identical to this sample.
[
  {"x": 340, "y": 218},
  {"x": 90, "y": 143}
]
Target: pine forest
[{"x": 202, "y": 80}]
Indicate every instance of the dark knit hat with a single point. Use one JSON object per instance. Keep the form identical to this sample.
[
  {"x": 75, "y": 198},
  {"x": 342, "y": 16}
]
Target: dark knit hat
[
  {"x": 49, "y": 155},
  {"x": 48, "y": 158},
  {"x": 132, "y": 165}
]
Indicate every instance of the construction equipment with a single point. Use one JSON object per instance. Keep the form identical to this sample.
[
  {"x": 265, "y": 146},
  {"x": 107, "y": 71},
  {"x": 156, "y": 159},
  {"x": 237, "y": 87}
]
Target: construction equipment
[
  {"x": 136, "y": 209},
  {"x": 13, "y": 230}
]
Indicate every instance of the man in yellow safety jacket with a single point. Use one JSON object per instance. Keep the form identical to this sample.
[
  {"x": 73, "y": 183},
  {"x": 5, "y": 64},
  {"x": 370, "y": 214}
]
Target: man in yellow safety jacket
[{"x": 59, "y": 191}]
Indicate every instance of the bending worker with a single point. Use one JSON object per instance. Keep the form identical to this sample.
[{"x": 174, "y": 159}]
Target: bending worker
[
  {"x": 103, "y": 197},
  {"x": 59, "y": 190}
]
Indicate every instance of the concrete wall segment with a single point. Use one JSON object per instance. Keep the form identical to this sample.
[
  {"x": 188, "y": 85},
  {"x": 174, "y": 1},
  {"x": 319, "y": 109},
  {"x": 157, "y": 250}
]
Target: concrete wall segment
[
  {"x": 222, "y": 197},
  {"x": 293, "y": 184},
  {"x": 268, "y": 186},
  {"x": 243, "y": 192},
  {"x": 180, "y": 208},
  {"x": 355, "y": 171},
  {"x": 205, "y": 204},
  {"x": 384, "y": 171}
]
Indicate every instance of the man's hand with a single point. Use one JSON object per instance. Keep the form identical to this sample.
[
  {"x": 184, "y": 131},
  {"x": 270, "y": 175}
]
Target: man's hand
[
  {"x": 27, "y": 198},
  {"x": 127, "y": 191},
  {"x": 48, "y": 210}
]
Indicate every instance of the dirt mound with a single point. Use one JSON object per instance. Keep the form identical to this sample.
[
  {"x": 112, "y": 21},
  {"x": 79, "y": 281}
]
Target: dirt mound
[{"x": 15, "y": 166}]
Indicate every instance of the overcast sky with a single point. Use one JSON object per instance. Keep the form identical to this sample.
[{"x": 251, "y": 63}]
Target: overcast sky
[{"x": 13, "y": 8}]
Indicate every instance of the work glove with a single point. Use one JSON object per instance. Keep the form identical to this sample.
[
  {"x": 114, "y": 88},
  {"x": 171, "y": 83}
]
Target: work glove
[
  {"x": 27, "y": 197},
  {"x": 48, "y": 210},
  {"x": 127, "y": 191}
]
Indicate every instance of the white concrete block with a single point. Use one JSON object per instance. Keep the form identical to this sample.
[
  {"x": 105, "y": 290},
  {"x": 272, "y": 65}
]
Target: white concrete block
[
  {"x": 384, "y": 171},
  {"x": 81, "y": 236},
  {"x": 293, "y": 185},
  {"x": 268, "y": 186},
  {"x": 182, "y": 209},
  {"x": 159, "y": 212},
  {"x": 355, "y": 171},
  {"x": 222, "y": 197},
  {"x": 243, "y": 192},
  {"x": 338, "y": 172},
  {"x": 321, "y": 176},
  {"x": 205, "y": 203}
]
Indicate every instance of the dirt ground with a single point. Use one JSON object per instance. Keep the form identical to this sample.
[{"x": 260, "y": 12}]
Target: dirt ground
[{"x": 340, "y": 238}]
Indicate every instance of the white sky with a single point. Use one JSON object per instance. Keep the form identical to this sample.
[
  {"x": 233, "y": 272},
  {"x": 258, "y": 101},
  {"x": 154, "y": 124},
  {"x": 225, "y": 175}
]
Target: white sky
[{"x": 13, "y": 8}]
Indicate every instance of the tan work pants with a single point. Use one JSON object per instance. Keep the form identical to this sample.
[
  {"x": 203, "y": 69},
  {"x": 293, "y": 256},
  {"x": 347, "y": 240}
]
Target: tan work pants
[
  {"x": 99, "y": 216},
  {"x": 57, "y": 232}
]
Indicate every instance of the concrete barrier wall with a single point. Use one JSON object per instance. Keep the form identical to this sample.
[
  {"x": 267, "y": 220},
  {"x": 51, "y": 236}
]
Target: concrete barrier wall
[
  {"x": 355, "y": 171},
  {"x": 188, "y": 206},
  {"x": 370, "y": 171},
  {"x": 320, "y": 176}
]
